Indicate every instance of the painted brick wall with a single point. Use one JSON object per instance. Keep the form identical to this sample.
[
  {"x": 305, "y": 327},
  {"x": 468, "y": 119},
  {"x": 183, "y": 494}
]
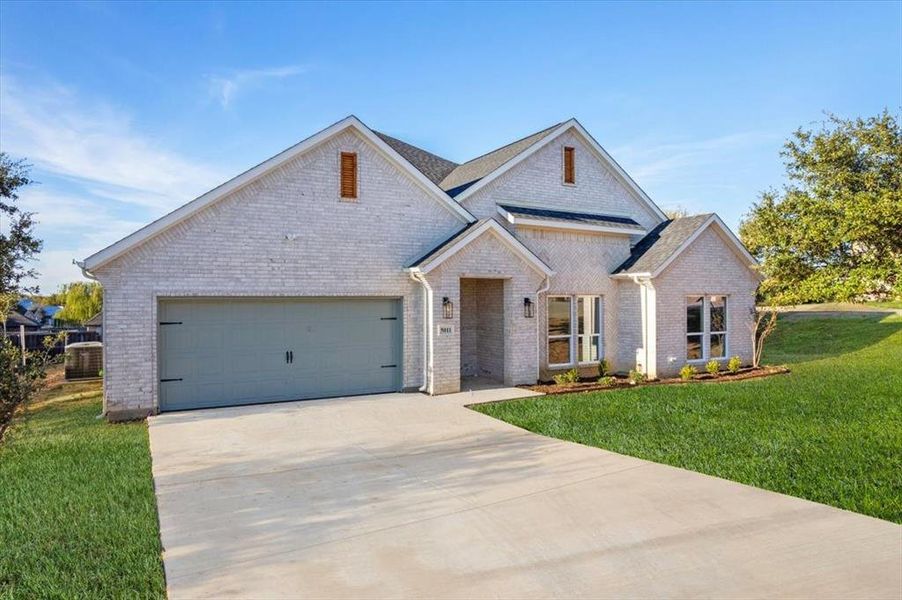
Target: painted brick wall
[
  {"x": 708, "y": 266},
  {"x": 538, "y": 181},
  {"x": 286, "y": 234},
  {"x": 485, "y": 257}
]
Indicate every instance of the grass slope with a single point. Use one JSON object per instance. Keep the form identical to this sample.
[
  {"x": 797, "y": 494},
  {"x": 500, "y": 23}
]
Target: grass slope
[
  {"x": 830, "y": 432},
  {"x": 77, "y": 509}
]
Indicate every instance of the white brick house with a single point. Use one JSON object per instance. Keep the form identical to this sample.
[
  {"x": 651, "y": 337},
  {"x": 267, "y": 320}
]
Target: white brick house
[{"x": 353, "y": 263}]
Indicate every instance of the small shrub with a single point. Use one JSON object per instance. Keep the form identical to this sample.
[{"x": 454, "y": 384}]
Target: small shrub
[
  {"x": 688, "y": 372},
  {"x": 734, "y": 364},
  {"x": 569, "y": 378},
  {"x": 603, "y": 367},
  {"x": 607, "y": 381},
  {"x": 712, "y": 367},
  {"x": 637, "y": 377}
]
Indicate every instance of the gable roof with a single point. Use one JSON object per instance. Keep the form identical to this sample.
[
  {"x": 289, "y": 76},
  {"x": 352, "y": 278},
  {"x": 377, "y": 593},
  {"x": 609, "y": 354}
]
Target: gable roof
[
  {"x": 664, "y": 243},
  {"x": 523, "y": 149},
  {"x": 553, "y": 218},
  {"x": 471, "y": 232},
  {"x": 470, "y": 172},
  {"x": 431, "y": 165},
  {"x": 95, "y": 321},
  {"x": 14, "y": 319},
  {"x": 236, "y": 183}
]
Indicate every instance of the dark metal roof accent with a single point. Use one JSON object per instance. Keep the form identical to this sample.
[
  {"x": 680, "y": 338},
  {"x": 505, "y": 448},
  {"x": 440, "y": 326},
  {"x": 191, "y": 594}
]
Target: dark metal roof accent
[
  {"x": 434, "y": 167},
  {"x": 569, "y": 216},
  {"x": 658, "y": 246},
  {"x": 465, "y": 175},
  {"x": 446, "y": 242}
]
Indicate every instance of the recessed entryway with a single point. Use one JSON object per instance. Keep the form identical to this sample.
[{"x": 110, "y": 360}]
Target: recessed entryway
[
  {"x": 482, "y": 329},
  {"x": 231, "y": 351}
]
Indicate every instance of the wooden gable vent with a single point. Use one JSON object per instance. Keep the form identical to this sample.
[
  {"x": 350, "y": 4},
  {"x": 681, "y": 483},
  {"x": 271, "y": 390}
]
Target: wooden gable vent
[
  {"x": 349, "y": 175},
  {"x": 569, "y": 167}
]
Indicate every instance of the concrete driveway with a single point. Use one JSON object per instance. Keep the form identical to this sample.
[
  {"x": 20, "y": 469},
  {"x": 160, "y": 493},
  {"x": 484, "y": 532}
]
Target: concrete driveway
[{"x": 403, "y": 495}]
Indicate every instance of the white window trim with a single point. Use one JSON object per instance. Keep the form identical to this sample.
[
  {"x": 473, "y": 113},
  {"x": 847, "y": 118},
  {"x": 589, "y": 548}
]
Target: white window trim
[
  {"x": 706, "y": 332},
  {"x": 574, "y": 334},
  {"x": 600, "y": 323}
]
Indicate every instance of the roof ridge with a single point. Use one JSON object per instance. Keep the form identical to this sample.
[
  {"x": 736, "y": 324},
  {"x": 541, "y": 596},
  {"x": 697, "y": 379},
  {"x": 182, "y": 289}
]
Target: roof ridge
[{"x": 517, "y": 141}]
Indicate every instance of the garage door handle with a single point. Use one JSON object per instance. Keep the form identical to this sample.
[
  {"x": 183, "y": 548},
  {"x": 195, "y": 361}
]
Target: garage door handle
[
  {"x": 291, "y": 356},
  {"x": 165, "y": 380},
  {"x": 389, "y": 366}
]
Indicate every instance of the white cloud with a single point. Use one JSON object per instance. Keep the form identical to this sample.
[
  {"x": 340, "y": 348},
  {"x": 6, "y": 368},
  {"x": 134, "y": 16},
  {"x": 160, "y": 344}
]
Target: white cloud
[
  {"x": 653, "y": 162},
  {"x": 96, "y": 145},
  {"x": 225, "y": 88}
]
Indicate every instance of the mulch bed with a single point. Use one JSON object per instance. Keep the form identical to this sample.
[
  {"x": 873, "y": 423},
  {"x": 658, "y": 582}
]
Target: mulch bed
[{"x": 623, "y": 382}]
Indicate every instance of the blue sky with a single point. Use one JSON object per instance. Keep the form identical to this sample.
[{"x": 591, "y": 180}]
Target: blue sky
[{"x": 127, "y": 111}]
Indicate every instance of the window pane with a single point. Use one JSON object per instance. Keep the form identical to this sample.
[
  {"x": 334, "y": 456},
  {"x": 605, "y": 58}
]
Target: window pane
[
  {"x": 596, "y": 311},
  {"x": 693, "y": 347},
  {"x": 581, "y": 315},
  {"x": 587, "y": 348},
  {"x": 558, "y": 316},
  {"x": 718, "y": 345},
  {"x": 694, "y": 315},
  {"x": 588, "y": 311},
  {"x": 559, "y": 351},
  {"x": 718, "y": 313}
]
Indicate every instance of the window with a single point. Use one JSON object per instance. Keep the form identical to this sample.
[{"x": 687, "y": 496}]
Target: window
[
  {"x": 706, "y": 327},
  {"x": 588, "y": 323},
  {"x": 569, "y": 166},
  {"x": 574, "y": 330},
  {"x": 349, "y": 175},
  {"x": 559, "y": 330},
  {"x": 695, "y": 307},
  {"x": 717, "y": 326}
]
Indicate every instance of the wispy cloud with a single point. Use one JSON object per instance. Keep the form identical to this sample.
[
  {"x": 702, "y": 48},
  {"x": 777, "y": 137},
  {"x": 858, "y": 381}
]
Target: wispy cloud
[
  {"x": 102, "y": 177},
  {"x": 96, "y": 145},
  {"x": 651, "y": 162},
  {"x": 224, "y": 89}
]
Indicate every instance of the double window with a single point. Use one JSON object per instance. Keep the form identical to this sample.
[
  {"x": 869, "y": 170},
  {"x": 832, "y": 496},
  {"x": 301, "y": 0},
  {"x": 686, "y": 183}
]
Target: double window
[
  {"x": 574, "y": 330},
  {"x": 706, "y": 327}
]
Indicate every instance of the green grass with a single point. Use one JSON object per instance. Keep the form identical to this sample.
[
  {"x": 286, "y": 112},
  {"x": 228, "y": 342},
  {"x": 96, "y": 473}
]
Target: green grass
[
  {"x": 78, "y": 516},
  {"x": 831, "y": 431}
]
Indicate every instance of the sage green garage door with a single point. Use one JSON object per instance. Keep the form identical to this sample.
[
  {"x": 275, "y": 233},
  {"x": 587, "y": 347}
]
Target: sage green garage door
[{"x": 225, "y": 352}]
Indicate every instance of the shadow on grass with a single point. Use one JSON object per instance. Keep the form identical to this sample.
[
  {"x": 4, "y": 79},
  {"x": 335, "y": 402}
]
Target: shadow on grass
[{"x": 802, "y": 340}]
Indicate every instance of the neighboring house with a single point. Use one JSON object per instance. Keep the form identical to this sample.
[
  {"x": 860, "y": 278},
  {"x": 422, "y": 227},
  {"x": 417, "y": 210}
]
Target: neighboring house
[
  {"x": 355, "y": 263},
  {"x": 14, "y": 321},
  {"x": 95, "y": 323},
  {"x": 44, "y": 315}
]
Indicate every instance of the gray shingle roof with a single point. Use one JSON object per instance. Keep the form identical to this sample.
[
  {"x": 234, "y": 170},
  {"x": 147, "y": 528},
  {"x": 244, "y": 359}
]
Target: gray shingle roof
[
  {"x": 446, "y": 242},
  {"x": 654, "y": 249},
  {"x": 431, "y": 165},
  {"x": 472, "y": 171},
  {"x": 548, "y": 214}
]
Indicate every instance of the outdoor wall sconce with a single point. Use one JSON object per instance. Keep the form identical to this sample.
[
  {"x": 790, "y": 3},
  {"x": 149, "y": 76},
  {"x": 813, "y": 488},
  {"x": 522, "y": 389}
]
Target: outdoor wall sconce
[
  {"x": 528, "y": 308},
  {"x": 447, "y": 308}
]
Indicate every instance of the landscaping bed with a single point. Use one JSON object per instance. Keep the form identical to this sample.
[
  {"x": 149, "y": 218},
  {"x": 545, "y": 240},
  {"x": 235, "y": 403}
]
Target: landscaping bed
[{"x": 622, "y": 381}]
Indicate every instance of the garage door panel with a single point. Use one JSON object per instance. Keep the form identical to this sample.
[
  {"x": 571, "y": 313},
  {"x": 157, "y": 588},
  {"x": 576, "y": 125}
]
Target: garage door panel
[{"x": 233, "y": 351}]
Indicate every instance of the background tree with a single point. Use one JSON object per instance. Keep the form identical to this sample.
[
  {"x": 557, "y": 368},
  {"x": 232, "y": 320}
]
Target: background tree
[
  {"x": 834, "y": 233},
  {"x": 81, "y": 300},
  {"x": 18, "y": 245}
]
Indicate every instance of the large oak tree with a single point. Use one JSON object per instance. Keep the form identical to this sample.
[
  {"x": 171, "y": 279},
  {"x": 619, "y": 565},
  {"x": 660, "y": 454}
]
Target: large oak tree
[{"x": 834, "y": 232}]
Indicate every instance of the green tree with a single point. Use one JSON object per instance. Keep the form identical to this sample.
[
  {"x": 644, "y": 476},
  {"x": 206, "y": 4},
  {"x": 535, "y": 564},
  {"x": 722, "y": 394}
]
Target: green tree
[
  {"x": 18, "y": 245},
  {"x": 834, "y": 232},
  {"x": 81, "y": 300}
]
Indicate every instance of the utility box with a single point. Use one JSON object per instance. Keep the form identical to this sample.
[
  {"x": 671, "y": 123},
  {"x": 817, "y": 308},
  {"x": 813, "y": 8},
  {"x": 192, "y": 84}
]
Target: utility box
[{"x": 84, "y": 360}]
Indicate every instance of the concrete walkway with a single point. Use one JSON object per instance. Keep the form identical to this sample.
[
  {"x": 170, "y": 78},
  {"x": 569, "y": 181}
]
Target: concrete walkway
[{"x": 403, "y": 495}]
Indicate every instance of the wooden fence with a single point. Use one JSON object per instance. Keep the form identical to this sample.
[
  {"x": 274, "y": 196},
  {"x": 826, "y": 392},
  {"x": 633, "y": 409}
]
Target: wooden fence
[{"x": 34, "y": 340}]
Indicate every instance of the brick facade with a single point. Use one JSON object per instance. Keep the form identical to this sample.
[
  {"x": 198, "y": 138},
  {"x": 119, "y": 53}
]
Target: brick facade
[{"x": 288, "y": 234}]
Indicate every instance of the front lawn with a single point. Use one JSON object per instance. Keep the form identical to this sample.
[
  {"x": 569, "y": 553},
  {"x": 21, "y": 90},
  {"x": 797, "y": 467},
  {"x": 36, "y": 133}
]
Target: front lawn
[
  {"x": 78, "y": 515},
  {"x": 831, "y": 431}
]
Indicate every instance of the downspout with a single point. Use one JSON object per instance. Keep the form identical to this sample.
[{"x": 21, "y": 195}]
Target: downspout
[
  {"x": 541, "y": 290},
  {"x": 427, "y": 328},
  {"x": 91, "y": 276}
]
